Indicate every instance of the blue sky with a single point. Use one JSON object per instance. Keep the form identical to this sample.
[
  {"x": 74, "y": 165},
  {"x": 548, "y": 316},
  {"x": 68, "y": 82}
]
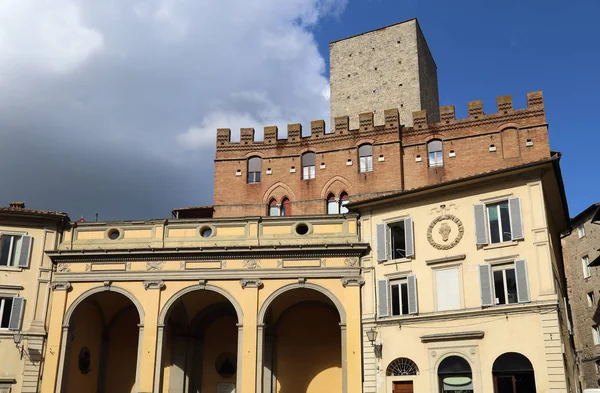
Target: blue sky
[{"x": 485, "y": 49}]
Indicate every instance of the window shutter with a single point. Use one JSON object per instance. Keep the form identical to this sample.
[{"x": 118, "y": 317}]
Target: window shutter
[
  {"x": 381, "y": 242},
  {"x": 409, "y": 241},
  {"x": 382, "y": 298},
  {"x": 516, "y": 218},
  {"x": 412, "y": 294},
  {"x": 481, "y": 235},
  {"x": 25, "y": 251},
  {"x": 485, "y": 285},
  {"x": 16, "y": 314},
  {"x": 522, "y": 281}
]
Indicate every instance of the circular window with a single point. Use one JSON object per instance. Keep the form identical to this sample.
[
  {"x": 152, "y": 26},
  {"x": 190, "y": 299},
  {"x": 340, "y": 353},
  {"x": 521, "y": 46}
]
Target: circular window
[
  {"x": 226, "y": 365},
  {"x": 206, "y": 231},
  {"x": 114, "y": 234},
  {"x": 84, "y": 360},
  {"x": 301, "y": 229}
]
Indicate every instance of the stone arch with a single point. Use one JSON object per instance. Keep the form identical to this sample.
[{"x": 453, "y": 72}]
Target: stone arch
[
  {"x": 254, "y": 153},
  {"x": 206, "y": 287},
  {"x": 330, "y": 187},
  {"x": 306, "y": 150},
  {"x": 267, "y": 303},
  {"x": 90, "y": 292},
  {"x": 273, "y": 190},
  {"x": 506, "y": 126}
]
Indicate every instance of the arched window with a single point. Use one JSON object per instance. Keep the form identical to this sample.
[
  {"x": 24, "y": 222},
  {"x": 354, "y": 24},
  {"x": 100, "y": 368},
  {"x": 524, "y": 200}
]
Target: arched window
[
  {"x": 254, "y": 169},
  {"x": 365, "y": 158},
  {"x": 513, "y": 373},
  {"x": 434, "y": 151},
  {"x": 274, "y": 209},
  {"x": 286, "y": 207},
  {"x": 401, "y": 366},
  {"x": 454, "y": 374},
  {"x": 343, "y": 202},
  {"x": 332, "y": 204},
  {"x": 308, "y": 165}
]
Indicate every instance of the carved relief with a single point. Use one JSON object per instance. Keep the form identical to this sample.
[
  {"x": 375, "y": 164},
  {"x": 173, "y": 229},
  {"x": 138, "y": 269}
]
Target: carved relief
[
  {"x": 154, "y": 266},
  {"x": 251, "y": 264},
  {"x": 251, "y": 283},
  {"x": 351, "y": 262},
  {"x": 63, "y": 268},
  {"x": 154, "y": 284},
  {"x": 353, "y": 281},
  {"x": 60, "y": 286},
  {"x": 445, "y": 232}
]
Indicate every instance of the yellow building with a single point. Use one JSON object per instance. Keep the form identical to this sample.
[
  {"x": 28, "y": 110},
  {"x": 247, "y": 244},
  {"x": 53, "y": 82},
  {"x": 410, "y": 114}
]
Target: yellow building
[
  {"x": 464, "y": 286},
  {"x": 25, "y": 277},
  {"x": 207, "y": 305}
]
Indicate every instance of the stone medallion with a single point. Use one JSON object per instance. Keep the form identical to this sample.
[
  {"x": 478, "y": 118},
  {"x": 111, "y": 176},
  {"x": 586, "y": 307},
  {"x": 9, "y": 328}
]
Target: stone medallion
[{"x": 445, "y": 232}]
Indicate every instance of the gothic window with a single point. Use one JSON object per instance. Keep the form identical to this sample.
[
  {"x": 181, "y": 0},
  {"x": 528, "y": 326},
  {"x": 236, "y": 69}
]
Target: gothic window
[
  {"x": 343, "y": 202},
  {"x": 274, "y": 208},
  {"x": 286, "y": 207},
  {"x": 332, "y": 204},
  {"x": 401, "y": 366}
]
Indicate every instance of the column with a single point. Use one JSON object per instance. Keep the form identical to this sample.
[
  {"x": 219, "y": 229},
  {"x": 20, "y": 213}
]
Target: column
[
  {"x": 248, "y": 383},
  {"x": 57, "y": 340},
  {"x": 352, "y": 337},
  {"x": 146, "y": 364}
]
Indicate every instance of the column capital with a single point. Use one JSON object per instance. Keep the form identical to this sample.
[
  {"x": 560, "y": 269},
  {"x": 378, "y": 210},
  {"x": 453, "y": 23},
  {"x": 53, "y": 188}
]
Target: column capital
[
  {"x": 251, "y": 283},
  {"x": 356, "y": 281},
  {"x": 154, "y": 284},
  {"x": 60, "y": 286}
]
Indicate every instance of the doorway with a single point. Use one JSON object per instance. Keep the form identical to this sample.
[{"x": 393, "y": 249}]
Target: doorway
[{"x": 403, "y": 387}]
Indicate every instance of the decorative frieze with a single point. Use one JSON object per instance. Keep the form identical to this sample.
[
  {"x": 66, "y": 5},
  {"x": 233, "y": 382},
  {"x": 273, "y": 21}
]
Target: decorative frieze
[
  {"x": 351, "y": 262},
  {"x": 251, "y": 264},
  {"x": 63, "y": 268},
  {"x": 154, "y": 266}
]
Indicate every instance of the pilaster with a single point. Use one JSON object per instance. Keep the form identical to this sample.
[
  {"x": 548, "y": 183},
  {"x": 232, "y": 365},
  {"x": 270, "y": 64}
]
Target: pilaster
[
  {"x": 148, "y": 339},
  {"x": 249, "y": 336}
]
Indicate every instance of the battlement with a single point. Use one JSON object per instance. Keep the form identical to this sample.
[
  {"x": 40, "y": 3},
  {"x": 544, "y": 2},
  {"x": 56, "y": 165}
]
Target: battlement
[
  {"x": 504, "y": 104},
  {"x": 317, "y": 131}
]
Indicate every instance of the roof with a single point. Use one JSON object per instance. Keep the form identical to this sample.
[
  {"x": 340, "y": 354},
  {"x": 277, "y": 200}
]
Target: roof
[
  {"x": 594, "y": 207},
  {"x": 377, "y": 29},
  {"x": 193, "y": 212},
  {"x": 34, "y": 212},
  {"x": 555, "y": 157}
]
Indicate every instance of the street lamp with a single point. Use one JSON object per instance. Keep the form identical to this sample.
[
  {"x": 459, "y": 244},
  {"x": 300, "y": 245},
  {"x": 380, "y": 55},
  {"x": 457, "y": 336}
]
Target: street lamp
[{"x": 372, "y": 336}]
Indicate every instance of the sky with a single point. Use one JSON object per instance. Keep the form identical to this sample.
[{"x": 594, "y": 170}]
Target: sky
[{"x": 112, "y": 107}]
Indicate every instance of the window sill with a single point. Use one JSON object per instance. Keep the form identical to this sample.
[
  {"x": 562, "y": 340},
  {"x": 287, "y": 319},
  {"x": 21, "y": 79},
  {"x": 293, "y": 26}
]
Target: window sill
[
  {"x": 397, "y": 261},
  {"x": 511, "y": 243},
  {"x": 11, "y": 268}
]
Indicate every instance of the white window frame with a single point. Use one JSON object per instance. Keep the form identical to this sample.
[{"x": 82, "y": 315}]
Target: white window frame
[
  {"x": 308, "y": 172},
  {"x": 366, "y": 164},
  {"x": 399, "y": 282},
  {"x": 503, "y": 268},
  {"x": 585, "y": 264},
  {"x": 596, "y": 334},
  {"x": 489, "y": 225},
  {"x": 591, "y": 299},
  {"x": 11, "y": 247},
  {"x": 2, "y": 307},
  {"x": 580, "y": 231},
  {"x": 438, "y": 158}
]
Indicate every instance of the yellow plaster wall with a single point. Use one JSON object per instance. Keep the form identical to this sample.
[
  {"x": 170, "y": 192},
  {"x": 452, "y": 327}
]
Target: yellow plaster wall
[
  {"x": 327, "y": 228},
  {"x": 230, "y": 231},
  {"x": 137, "y": 234},
  {"x": 220, "y": 337},
  {"x": 276, "y": 229},
  {"x": 122, "y": 354},
  {"x": 90, "y": 235}
]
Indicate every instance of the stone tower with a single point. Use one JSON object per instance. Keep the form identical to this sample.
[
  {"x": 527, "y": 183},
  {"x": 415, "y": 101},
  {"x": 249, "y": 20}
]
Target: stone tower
[{"x": 390, "y": 67}]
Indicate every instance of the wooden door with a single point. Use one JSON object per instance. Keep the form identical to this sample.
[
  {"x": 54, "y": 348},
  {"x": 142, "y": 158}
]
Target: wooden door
[{"x": 403, "y": 387}]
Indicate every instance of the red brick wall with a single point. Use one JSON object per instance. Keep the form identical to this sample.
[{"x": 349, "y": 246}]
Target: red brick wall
[{"x": 470, "y": 139}]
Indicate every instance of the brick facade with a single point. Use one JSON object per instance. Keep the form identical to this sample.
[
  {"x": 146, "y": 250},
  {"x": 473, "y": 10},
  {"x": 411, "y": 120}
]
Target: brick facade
[
  {"x": 480, "y": 143},
  {"x": 584, "y": 315}
]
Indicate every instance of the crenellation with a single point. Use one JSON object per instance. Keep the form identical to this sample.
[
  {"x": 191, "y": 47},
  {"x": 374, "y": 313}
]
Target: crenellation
[
  {"x": 294, "y": 132},
  {"x": 270, "y": 134},
  {"x": 223, "y": 136},
  {"x": 447, "y": 114},
  {"x": 535, "y": 99},
  {"x": 504, "y": 104},
  {"x": 247, "y": 136},
  {"x": 366, "y": 121},
  {"x": 420, "y": 119},
  {"x": 317, "y": 127},
  {"x": 475, "y": 109},
  {"x": 342, "y": 124}
]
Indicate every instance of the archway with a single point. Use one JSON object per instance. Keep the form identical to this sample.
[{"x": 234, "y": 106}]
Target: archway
[
  {"x": 102, "y": 339},
  {"x": 301, "y": 337},
  {"x": 199, "y": 342},
  {"x": 513, "y": 373},
  {"x": 455, "y": 376}
]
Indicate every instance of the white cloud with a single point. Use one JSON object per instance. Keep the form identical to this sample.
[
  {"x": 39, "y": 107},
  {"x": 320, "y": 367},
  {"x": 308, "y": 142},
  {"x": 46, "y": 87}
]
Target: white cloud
[{"x": 132, "y": 81}]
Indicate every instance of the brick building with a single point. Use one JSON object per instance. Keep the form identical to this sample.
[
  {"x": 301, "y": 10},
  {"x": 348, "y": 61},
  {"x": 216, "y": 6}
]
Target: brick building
[{"x": 581, "y": 249}]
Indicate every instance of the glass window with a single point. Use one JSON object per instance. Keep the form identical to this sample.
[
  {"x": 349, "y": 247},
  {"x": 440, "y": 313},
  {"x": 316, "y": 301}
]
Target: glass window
[
  {"x": 434, "y": 151},
  {"x": 499, "y": 222},
  {"x": 286, "y": 207},
  {"x": 505, "y": 286},
  {"x": 365, "y": 158},
  {"x": 5, "y": 310},
  {"x": 585, "y": 264},
  {"x": 332, "y": 205},
  {"x": 397, "y": 240},
  {"x": 581, "y": 231},
  {"x": 254, "y": 169},
  {"x": 274, "y": 209},
  {"x": 596, "y": 334},
  {"x": 399, "y": 294},
  {"x": 343, "y": 202},
  {"x": 590, "y": 299},
  {"x": 455, "y": 376},
  {"x": 308, "y": 165},
  {"x": 10, "y": 249}
]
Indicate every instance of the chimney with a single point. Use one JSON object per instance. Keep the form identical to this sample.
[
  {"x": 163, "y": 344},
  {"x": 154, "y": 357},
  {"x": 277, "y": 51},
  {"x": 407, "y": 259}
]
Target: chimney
[{"x": 17, "y": 205}]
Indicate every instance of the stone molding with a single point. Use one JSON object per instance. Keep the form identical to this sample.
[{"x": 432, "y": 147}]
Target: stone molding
[
  {"x": 154, "y": 284},
  {"x": 442, "y": 218},
  {"x": 474, "y": 335},
  {"x": 251, "y": 283},
  {"x": 357, "y": 281},
  {"x": 60, "y": 286}
]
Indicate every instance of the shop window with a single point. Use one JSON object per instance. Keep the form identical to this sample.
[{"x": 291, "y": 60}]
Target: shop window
[
  {"x": 454, "y": 375},
  {"x": 513, "y": 373}
]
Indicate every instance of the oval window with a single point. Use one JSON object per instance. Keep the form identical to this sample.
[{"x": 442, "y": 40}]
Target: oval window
[
  {"x": 114, "y": 234},
  {"x": 301, "y": 229},
  {"x": 206, "y": 232}
]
